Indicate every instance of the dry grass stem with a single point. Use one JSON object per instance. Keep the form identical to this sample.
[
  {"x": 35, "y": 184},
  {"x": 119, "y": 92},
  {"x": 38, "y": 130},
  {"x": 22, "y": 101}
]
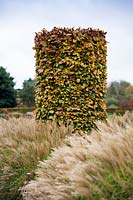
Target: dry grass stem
[{"x": 96, "y": 166}]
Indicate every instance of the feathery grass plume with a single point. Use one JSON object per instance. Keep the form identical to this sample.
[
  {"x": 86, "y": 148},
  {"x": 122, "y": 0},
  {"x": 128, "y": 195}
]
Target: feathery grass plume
[
  {"x": 92, "y": 167},
  {"x": 23, "y": 143}
]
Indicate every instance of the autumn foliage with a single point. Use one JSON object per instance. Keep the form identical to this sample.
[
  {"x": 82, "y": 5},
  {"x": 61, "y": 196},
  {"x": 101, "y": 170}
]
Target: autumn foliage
[{"x": 71, "y": 75}]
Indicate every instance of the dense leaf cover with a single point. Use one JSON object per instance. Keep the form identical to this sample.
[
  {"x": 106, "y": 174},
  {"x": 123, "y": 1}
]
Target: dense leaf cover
[{"x": 71, "y": 75}]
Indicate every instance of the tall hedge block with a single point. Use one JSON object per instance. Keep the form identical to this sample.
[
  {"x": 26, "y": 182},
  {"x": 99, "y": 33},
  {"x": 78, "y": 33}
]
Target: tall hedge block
[{"x": 71, "y": 76}]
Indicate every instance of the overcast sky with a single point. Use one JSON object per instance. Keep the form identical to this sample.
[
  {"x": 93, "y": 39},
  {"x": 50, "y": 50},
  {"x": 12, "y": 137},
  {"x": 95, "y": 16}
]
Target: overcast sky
[{"x": 20, "y": 19}]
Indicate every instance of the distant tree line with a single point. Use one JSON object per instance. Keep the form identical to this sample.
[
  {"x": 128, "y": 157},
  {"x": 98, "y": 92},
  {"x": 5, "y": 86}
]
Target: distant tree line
[
  {"x": 11, "y": 97},
  {"x": 119, "y": 93},
  {"x": 26, "y": 95}
]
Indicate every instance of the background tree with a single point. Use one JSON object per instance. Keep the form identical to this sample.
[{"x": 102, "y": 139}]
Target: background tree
[
  {"x": 27, "y": 93},
  {"x": 118, "y": 89},
  {"x": 129, "y": 91},
  {"x": 7, "y": 91},
  {"x": 113, "y": 89},
  {"x": 130, "y": 103},
  {"x": 112, "y": 102},
  {"x": 120, "y": 94}
]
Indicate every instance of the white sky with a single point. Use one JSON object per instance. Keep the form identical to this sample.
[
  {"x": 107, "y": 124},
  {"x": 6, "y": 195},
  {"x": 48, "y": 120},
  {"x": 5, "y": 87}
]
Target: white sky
[{"x": 20, "y": 19}]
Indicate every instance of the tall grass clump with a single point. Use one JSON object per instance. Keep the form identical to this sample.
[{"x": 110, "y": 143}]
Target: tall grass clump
[
  {"x": 23, "y": 143},
  {"x": 93, "y": 167}
]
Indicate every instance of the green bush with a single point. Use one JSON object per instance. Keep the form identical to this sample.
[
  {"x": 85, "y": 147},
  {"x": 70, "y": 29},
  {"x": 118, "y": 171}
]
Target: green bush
[
  {"x": 71, "y": 76},
  {"x": 111, "y": 101}
]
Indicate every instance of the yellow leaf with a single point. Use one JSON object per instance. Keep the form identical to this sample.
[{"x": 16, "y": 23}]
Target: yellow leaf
[{"x": 78, "y": 80}]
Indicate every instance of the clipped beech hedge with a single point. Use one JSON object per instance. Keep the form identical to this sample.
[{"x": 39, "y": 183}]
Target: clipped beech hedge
[{"x": 71, "y": 76}]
